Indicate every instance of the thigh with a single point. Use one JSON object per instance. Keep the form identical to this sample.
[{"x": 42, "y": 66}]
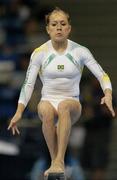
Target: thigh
[
  {"x": 71, "y": 105},
  {"x": 46, "y": 110}
]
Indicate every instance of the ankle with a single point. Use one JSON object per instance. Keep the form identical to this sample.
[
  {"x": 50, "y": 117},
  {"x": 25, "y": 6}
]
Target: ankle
[
  {"x": 52, "y": 162},
  {"x": 60, "y": 161}
]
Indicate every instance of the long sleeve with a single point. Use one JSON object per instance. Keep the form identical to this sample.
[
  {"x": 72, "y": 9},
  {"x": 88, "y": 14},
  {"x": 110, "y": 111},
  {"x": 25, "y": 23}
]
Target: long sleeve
[
  {"x": 31, "y": 77},
  {"x": 96, "y": 69}
]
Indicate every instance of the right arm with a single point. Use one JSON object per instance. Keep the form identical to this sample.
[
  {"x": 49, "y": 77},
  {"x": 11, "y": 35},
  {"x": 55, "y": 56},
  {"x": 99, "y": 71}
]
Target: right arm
[
  {"x": 16, "y": 118},
  {"x": 26, "y": 90}
]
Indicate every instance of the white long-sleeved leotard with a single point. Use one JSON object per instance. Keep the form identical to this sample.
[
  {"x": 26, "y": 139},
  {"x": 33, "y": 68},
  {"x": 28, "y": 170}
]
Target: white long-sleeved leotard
[{"x": 60, "y": 73}]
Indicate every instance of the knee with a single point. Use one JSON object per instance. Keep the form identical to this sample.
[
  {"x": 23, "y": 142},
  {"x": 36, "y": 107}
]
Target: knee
[
  {"x": 47, "y": 117},
  {"x": 46, "y": 114},
  {"x": 63, "y": 107}
]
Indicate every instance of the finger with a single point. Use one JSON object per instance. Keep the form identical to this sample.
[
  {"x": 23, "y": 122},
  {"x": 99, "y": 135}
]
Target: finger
[
  {"x": 102, "y": 101},
  {"x": 113, "y": 113},
  {"x": 17, "y": 130},
  {"x": 9, "y": 127},
  {"x": 111, "y": 110},
  {"x": 12, "y": 123},
  {"x": 13, "y": 131}
]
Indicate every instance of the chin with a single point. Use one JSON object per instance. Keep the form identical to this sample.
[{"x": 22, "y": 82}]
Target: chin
[{"x": 59, "y": 39}]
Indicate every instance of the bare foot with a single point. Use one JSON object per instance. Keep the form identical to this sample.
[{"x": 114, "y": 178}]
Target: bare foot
[
  {"x": 47, "y": 171},
  {"x": 56, "y": 167}
]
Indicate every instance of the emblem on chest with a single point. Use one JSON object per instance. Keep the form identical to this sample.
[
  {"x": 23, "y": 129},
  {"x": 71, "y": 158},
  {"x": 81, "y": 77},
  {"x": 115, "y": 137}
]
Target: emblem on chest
[{"x": 60, "y": 67}]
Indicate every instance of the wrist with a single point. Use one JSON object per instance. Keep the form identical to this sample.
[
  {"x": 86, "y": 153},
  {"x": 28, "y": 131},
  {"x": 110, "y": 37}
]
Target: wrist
[
  {"x": 108, "y": 92},
  {"x": 20, "y": 109},
  {"x": 18, "y": 114}
]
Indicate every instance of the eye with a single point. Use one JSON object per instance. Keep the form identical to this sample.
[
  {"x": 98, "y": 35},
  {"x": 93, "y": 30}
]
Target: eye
[
  {"x": 53, "y": 24},
  {"x": 63, "y": 24}
]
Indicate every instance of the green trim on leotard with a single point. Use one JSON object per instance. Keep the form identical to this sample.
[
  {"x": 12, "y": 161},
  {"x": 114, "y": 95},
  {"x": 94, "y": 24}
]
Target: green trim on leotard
[
  {"x": 49, "y": 59},
  {"x": 70, "y": 57}
]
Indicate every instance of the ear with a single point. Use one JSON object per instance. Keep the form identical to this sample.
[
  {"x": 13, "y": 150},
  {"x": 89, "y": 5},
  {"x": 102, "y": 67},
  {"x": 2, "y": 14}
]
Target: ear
[{"x": 47, "y": 29}]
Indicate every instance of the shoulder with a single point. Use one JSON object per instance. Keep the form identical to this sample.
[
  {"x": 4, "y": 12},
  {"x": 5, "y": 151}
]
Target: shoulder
[
  {"x": 40, "y": 51},
  {"x": 77, "y": 47}
]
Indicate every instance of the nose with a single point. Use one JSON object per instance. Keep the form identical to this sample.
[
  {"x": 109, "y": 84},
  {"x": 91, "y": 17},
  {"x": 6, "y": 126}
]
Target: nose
[{"x": 59, "y": 26}]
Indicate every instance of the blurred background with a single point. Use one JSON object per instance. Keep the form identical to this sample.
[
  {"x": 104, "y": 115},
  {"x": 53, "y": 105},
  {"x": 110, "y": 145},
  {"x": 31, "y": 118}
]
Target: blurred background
[{"x": 92, "y": 149}]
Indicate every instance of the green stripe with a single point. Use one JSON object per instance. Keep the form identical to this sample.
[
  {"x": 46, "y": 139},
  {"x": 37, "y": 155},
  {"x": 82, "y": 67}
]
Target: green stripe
[
  {"x": 22, "y": 94},
  {"x": 70, "y": 57},
  {"x": 49, "y": 59}
]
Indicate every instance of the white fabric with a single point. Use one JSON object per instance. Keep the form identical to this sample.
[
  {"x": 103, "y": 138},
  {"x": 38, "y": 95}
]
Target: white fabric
[{"x": 60, "y": 73}]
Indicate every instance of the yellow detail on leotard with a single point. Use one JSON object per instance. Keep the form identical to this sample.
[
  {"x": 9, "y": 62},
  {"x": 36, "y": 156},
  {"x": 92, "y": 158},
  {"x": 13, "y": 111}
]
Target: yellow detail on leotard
[
  {"x": 40, "y": 49},
  {"x": 105, "y": 82},
  {"x": 105, "y": 78}
]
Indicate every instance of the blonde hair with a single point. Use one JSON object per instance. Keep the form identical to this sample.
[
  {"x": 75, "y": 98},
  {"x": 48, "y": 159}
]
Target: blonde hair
[{"x": 57, "y": 9}]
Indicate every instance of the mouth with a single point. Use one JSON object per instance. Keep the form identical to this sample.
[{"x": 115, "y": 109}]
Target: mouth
[{"x": 59, "y": 34}]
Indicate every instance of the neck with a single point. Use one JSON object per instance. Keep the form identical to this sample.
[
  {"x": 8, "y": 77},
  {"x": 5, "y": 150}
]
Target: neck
[{"x": 60, "y": 46}]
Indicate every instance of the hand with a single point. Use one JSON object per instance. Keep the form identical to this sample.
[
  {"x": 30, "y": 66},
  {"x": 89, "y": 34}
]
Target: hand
[
  {"x": 107, "y": 99},
  {"x": 13, "y": 124}
]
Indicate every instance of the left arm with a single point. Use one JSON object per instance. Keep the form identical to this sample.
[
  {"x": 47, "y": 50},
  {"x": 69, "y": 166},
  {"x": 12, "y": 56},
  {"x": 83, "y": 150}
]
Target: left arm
[{"x": 102, "y": 77}]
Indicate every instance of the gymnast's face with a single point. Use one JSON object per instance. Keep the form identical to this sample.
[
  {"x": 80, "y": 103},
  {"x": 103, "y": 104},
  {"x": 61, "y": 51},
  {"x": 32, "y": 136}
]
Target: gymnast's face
[{"x": 58, "y": 27}]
